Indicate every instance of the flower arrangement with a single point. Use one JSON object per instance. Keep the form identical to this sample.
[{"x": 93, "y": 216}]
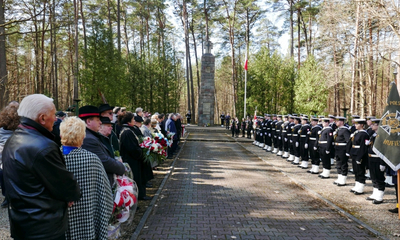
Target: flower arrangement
[
  {"x": 154, "y": 149},
  {"x": 170, "y": 137},
  {"x": 125, "y": 197}
]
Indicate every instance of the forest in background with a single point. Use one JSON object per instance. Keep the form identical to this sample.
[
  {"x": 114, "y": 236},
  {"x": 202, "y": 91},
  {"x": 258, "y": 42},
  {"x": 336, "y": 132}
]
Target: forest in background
[{"x": 341, "y": 55}]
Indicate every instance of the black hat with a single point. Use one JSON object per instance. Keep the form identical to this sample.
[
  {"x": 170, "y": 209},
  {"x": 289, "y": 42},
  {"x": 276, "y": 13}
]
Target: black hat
[
  {"x": 375, "y": 121},
  {"x": 294, "y": 114},
  {"x": 370, "y": 117},
  {"x": 274, "y": 115},
  {"x": 105, "y": 120},
  {"x": 304, "y": 118},
  {"x": 88, "y": 111},
  {"x": 314, "y": 119},
  {"x": 60, "y": 114},
  {"x": 339, "y": 118},
  {"x": 360, "y": 121},
  {"x": 297, "y": 118},
  {"x": 138, "y": 119},
  {"x": 279, "y": 115},
  {"x": 105, "y": 107},
  {"x": 355, "y": 116},
  {"x": 285, "y": 116},
  {"x": 321, "y": 116},
  {"x": 331, "y": 116}
]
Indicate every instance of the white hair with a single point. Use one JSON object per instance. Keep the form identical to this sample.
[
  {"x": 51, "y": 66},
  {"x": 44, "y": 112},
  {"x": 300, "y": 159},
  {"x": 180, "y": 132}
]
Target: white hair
[
  {"x": 138, "y": 110},
  {"x": 34, "y": 105}
]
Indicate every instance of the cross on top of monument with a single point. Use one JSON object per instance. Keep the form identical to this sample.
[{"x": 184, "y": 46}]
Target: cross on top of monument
[{"x": 208, "y": 46}]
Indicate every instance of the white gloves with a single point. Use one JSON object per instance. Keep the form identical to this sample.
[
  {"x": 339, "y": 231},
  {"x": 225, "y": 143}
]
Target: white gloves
[
  {"x": 348, "y": 154},
  {"x": 315, "y": 148},
  {"x": 367, "y": 142},
  {"x": 269, "y": 134},
  {"x": 285, "y": 139},
  {"x": 306, "y": 146},
  {"x": 358, "y": 162},
  {"x": 327, "y": 152},
  {"x": 382, "y": 168},
  {"x": 279, "y": 138},
  {"x": 297, "y": 144}
]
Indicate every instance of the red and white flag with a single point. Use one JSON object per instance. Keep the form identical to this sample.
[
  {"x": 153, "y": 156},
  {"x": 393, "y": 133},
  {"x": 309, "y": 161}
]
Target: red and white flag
[{"x": 245, "y": 65}]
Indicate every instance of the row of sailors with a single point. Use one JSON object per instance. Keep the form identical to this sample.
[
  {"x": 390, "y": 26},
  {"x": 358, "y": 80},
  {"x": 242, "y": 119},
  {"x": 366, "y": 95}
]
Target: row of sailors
[{"x": 323, "y": 139}]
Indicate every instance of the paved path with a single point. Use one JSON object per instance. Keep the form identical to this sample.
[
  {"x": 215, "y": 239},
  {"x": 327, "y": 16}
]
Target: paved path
[{"x": 219, "y": 190}]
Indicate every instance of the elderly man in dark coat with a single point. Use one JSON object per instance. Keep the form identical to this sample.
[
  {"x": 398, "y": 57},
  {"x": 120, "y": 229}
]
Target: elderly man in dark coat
[
  {"x": 92, "y": 142},
  {"x": 39, "y": 187}
]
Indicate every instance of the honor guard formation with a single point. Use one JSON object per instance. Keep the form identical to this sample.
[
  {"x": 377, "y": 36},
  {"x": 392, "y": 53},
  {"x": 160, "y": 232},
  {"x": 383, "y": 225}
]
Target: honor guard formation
[{"x": 300, "y": 139}]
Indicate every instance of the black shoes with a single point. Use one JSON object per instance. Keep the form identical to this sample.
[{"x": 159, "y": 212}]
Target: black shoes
[{"x": 394, "y": 210}]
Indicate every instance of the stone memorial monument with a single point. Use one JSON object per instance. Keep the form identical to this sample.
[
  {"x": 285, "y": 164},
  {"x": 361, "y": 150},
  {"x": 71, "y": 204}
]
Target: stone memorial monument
[{"x": 207, "y": 88}]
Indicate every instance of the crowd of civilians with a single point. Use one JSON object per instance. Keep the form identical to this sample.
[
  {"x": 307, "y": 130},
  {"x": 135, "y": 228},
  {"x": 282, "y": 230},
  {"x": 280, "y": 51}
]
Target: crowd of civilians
[{"x": 57, "y": 172}]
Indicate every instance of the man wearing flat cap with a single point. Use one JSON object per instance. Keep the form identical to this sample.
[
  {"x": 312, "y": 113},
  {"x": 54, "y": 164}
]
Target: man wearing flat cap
[
  {"x": 60, "y": 115},
  {"x": 324, "y": 146},
  {"x": 357, "y": 148},
  {"x": 296, "y": 140},
  {"x": 341, "y": 136},
  {"x": 107, "y": 111},
  {"x": 304, "y": 134},
  {"x": 353, "y": 126},
  {"x": 91, "y": 116},
  {"x": 314, "y": 154},
  {"x": 377, "y": 167}
]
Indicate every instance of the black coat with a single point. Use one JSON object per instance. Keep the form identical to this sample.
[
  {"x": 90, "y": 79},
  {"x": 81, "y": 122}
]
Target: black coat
[
  {"x": 147, "y": 170},
  {"x": 38, "y": 183},
  {"x": 93, "y": 144},
  {"x": 132, "y": 154},
  {"x": 56, "y": 132}
]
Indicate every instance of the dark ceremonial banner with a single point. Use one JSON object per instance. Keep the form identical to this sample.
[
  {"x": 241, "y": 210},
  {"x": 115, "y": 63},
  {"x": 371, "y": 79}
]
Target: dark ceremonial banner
[{"x": 387, "y": 141}]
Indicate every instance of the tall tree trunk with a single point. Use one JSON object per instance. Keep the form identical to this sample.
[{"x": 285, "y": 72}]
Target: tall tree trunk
[
  {"x": 206, "y": 17},
  {"x": 231, "y": 22},
  {"x": 298, "y": 39},
  {"x": 109, "y": 15},
  {"x": 42, "y": 68},
  {"x": 126, "y": 35},
  {"x": 354, "y": 64},
  {"x": 84, "y": 28},
  {"x": 291, "y": 29},
  {"x": 119, "y": 25},
  {"x": 76, "y": 64},
  {"x": 3, "y": 60},
  {"x": 197, "y": 69},
  {"x": 184, "y": 18}
]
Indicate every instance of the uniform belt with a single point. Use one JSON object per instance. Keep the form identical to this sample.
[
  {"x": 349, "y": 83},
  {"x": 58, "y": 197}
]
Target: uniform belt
[
  {"x": 273, "y": 129},
  {"x": 340, "y": 144},
  {"x": 303, "y": 135},
  {"x": 268, "y": 128},
  {"x": 278, "y": 130},
  {"x": 264, "y": 128},
  {"x": 373, "y": 155},
  {"x": 314, "y": 139},
  {"x": 356, "y": 146},
  {"x": 283, "y": 130},
  {"x": 322, "y": 141},
  {"x": 289, "y": 134},
  {"x": 295, "y": 135}
]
